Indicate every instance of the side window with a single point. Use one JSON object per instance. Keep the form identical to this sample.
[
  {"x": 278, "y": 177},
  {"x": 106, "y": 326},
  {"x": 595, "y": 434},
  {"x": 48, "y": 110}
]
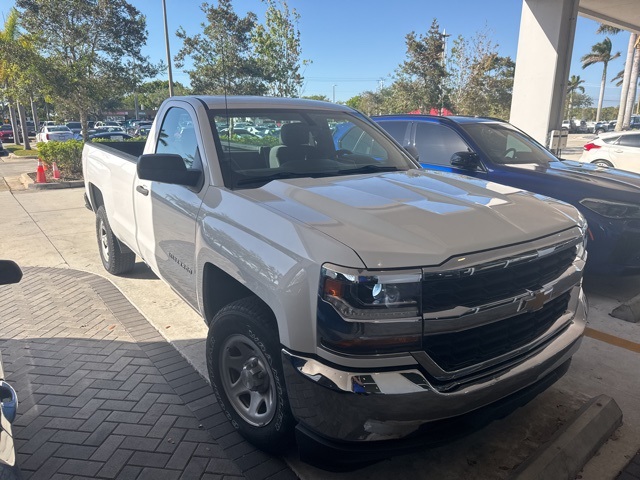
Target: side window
[
  {"x": 178, "y": 136},
  {"x": 629, "y": 140},
  {"x": 350, "y": 139},
  {"x": 360, "y": 142},
  {"x": 396, "y": 129},
  {"x": 437, "y": 143}
]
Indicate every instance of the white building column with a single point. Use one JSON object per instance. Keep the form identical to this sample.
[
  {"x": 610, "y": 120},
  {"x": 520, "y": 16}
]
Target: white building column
[{"x": 547, "y": 30}]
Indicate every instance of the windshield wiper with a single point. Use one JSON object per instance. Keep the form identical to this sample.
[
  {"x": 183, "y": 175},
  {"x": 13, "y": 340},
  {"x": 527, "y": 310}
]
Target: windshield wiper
[
  {"x": 283, "y": 176},
  {"x": 369, "y": 169}
]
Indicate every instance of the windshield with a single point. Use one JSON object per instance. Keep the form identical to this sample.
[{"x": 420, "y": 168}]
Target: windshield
[
  {"x": 258, "y": 146},
  {"x": 59, "y": 129},
  {"x": 505, "y": 145}
]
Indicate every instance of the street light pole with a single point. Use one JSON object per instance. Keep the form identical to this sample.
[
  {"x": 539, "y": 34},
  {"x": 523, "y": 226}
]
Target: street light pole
[
  {"x": 334, "y": 93},
  {"x": 166, "y": 39}
]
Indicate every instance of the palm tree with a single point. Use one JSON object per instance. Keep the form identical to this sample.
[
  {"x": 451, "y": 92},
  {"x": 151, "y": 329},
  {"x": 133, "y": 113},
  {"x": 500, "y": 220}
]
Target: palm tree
[
  {"x": 8, "y": 37},
  {"x": 574, "y": 85},
  {"x": 600, "y": 53}
]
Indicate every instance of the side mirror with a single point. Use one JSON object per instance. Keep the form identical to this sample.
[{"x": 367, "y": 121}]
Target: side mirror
[
  {"x": 413, "y": 151},
  {"x": 465, "y": 160},
  {"x": 9, "y": 272},
  {"x": 167, "y": 168}
]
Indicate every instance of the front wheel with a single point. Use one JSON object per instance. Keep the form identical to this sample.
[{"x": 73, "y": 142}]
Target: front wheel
[
  {"x": 602, "y": 163},
  {"x": 245, "y": 369},
  {"x": 116, "y": 257}
]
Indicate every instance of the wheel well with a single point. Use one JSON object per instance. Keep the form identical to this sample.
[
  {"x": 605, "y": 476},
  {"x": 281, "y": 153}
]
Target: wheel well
[
  {"x": 221, "y": 289},
  {"x": 96, "y": 197}
]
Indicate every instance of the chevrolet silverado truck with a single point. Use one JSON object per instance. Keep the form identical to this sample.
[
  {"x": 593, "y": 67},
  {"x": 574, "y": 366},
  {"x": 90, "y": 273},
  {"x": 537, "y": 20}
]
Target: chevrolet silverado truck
[{"x": 353, "y": 299}]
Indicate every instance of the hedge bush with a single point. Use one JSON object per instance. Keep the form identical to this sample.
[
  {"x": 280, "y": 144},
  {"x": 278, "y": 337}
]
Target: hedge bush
[{"x": 67, "y": 155}]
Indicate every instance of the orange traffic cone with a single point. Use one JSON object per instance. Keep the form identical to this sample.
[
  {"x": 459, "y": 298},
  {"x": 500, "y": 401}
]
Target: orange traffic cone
[
  {"x": 56, "y": 172},
  {"x": 40, "y": 177}
]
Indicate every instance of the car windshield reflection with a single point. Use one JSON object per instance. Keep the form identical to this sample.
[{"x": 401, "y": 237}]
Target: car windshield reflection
[{"x": 505, "y": 145}]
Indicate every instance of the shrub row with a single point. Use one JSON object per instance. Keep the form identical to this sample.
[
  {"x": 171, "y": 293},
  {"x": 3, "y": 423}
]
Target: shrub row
[{"x": 67, "y": 155}]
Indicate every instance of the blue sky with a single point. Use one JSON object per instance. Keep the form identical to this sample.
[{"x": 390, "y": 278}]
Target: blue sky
[{"x": 353, "y": 44}]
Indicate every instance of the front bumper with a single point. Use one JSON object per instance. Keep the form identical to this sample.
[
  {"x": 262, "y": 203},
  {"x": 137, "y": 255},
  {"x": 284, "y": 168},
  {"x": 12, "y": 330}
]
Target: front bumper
[{"x": 363, "y": 406}]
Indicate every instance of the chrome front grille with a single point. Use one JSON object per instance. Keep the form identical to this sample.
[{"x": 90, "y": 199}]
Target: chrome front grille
[{"x": 507, "y": 278}]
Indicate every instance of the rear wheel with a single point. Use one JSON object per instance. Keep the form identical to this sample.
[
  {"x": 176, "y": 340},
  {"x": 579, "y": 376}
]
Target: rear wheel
[
  {"x": 116, "y": 257},
  {"x": 602, "y": 163},
  {"x": 245, "y": 369}
]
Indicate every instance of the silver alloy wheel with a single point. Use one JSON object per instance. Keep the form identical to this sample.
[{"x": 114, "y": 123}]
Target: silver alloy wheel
[
  {"x": 104, "y": 242},
  {"x": 602, "y": 163},
  {"x": 247, "y": 380}
]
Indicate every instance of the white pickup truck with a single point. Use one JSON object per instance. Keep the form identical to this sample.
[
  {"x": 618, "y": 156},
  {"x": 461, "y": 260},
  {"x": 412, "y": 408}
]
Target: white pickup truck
[{"x": 351, "y": 297}]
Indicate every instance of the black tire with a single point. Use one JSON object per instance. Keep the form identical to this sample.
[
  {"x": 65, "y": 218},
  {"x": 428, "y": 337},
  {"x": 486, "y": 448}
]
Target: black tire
[
  {"x": 244, "y": 333},
  {"x": 116, "y": 257},
  {"x": 599, "y": 131},
  {"x": 602, "y": 163}
]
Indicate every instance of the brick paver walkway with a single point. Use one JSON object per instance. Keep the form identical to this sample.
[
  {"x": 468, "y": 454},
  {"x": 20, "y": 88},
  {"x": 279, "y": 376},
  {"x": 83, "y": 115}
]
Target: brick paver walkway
[{"x": 103, "y": 395}]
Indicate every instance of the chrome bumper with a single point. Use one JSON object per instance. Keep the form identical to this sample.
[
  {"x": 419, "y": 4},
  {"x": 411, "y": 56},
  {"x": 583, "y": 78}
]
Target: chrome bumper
[{"x": 339, "y": 405}]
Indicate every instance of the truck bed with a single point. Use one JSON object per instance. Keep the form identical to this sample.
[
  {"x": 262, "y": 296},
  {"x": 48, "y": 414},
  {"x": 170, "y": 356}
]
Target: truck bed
[{"x": 126, "y": 150}]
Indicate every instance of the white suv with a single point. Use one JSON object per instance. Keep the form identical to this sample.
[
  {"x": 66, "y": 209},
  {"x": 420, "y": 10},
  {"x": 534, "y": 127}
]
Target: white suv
[{"x": 614, "y": 149}]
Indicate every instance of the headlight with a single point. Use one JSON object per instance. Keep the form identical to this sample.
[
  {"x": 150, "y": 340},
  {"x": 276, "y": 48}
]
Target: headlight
[
  {"x": 364, "y": 312},
  {"x": 363, "y": 295},
  {"x": 612, "y": 209}
]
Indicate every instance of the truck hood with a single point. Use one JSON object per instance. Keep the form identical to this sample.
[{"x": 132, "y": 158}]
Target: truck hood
[{"x": 416, "y": 218}]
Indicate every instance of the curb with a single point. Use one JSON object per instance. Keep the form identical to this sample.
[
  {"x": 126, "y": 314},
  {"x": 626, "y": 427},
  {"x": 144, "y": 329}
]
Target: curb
[
  {"x": 29, "y": 183},
  {"x": 628, "y": 311},
  {"x": 575, "y": 443}
]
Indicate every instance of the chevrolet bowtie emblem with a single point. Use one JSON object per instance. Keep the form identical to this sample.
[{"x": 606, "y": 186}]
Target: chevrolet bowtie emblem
[{"x": 535, "y": 300}]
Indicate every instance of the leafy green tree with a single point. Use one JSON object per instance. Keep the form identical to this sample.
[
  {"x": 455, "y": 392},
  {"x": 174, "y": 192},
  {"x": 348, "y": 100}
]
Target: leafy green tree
[
  {"x": 152, "y": 94},
  {"x": 91, "y": 46},
  {"x": 600, "y": 53},
  {"x": 481, "y": 81},
  {"x": 322, "y": 98},
  {"x": 574, "y": 86},
  {"x": 222, "y": 54},
  {"x": 421, "y": 78},
  {"x": 17, "y": 75},
  {"x": 277, "y": 47}
]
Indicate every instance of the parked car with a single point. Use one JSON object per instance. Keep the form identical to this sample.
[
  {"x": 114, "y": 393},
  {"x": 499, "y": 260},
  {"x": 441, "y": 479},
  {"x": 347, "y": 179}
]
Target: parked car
[
  {"x": 58, "y": 133},
  {"x": 3, "y": 152},
  {"x": 142, "y": 130},
  {"x": 604, "y": 126},
  {"x": 107, "y": 128},
  {"x": 353, "y": 299},
  {"x": 6, "y": 133},
  {"x": 614, "y": 149},
  {"x": 75, "y": 127},
  {"x": 498, "y": 152},
  {"x": 9, "y": 273},
  {"x": 134, "y": 128},
  {"x": 107, "y": 123},
  {"x": 120, "y": 136}
]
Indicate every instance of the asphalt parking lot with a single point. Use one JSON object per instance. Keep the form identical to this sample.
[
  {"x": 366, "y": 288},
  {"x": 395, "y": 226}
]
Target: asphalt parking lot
[{"x": 53, "y": 229}]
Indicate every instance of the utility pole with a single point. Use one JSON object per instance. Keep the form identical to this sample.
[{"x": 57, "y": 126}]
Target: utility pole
[
  {"x": 166, "y": 39},
  {"x": 334, "y": 93},
  {"x": 444, "y": 36}
]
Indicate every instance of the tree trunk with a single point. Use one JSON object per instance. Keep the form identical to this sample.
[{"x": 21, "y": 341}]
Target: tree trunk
[
  {"x": 23, "y": 126},
  {"x": 625, "y": 80},
  {"x": 34, "y": 113},
  {"x": 14, "y": 122},
  {"x": 84, "y": 121},
  {"x": 633, "y": 85},
  {"x": 602, "y": 85}
]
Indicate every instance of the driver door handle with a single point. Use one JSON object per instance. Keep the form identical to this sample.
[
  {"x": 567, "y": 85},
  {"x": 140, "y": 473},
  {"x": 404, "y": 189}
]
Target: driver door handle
[{"x": 143, "y": 190}]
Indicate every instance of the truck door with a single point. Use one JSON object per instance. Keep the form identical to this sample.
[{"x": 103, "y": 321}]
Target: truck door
[{"x": 166, "y": 214}]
